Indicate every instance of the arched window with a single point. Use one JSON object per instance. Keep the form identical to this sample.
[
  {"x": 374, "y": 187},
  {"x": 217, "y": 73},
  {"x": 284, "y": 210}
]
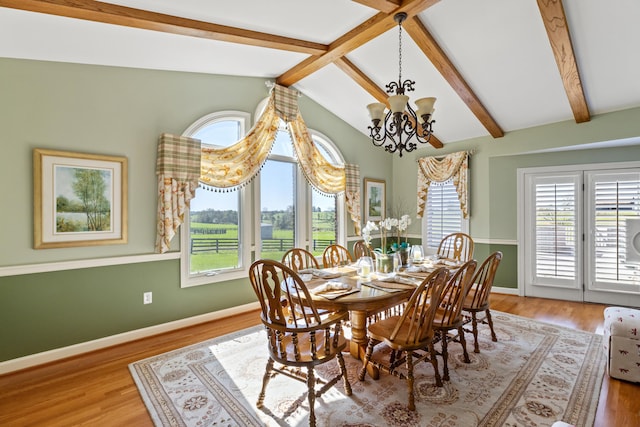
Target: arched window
[{"x": 284, "y": 212}]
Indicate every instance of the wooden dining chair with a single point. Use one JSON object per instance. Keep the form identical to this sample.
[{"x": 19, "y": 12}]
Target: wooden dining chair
[
  {"x": 410, "y": 335},
  {"x": 477, "y": 299},
  {"x": 456, "y": 247},
  {"x": 299, "y": 259},
  {"x": 296, "y": 341},
  {"x": 336, "y": 255},
  {"x": 361, "y": 249},
  {"x": 449, "y": 312}
]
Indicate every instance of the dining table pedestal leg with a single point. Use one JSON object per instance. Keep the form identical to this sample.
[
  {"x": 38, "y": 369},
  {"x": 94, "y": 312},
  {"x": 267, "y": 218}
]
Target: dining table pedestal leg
[{"x": 359, "y": 341}]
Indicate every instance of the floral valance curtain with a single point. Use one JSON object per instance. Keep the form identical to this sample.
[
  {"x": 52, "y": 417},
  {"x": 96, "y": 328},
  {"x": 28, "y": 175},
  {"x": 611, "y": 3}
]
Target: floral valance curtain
[
  {"x": 454, "y": 166},
  {"x": 232, "y": 167},
  {"x": 229, "y": 168},
  {"x": 322, "y": 175},
  {"x": 178, "y": 170}
]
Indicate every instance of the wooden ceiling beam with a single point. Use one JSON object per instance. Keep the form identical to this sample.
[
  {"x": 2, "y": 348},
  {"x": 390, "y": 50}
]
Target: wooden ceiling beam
[
  {"x": 373, "y": 89},
  {"x": 363, "y": 33},
  {"x": 443, "y": 64},
  {"x": 136, "y": 18},
  {"x": 555, "y": 22},
  {"x": 386, "y": 6}
]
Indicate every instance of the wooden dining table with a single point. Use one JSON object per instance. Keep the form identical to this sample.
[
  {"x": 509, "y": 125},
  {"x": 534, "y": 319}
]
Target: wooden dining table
[{"x": 372, "y": 297}]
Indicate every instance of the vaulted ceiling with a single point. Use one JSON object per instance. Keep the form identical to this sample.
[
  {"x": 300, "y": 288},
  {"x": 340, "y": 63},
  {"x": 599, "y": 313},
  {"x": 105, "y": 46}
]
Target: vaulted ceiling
[{"x": 494, "y": 65}]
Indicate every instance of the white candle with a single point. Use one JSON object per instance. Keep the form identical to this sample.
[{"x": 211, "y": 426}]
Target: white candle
[
  {"x": 366, "y": 270},
  {"x": 417, "y": 254}
]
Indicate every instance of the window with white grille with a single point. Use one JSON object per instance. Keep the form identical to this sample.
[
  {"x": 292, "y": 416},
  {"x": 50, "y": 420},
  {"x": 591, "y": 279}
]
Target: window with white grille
[{"x": 443, "y": 215}]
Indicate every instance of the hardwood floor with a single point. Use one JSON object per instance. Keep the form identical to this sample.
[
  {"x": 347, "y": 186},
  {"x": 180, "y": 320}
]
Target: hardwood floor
[{"x": 97, "y": 389}]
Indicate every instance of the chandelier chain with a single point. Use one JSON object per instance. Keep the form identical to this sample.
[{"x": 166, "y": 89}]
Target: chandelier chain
[
  {"x": 400, "y": 53},
  {"x": 401, "y": 127}
]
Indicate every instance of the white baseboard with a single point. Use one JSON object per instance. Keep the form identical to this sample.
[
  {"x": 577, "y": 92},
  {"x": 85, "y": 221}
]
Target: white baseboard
[
  {"x": 508, "y": 291},
  {"x": 85, "y": 347}
]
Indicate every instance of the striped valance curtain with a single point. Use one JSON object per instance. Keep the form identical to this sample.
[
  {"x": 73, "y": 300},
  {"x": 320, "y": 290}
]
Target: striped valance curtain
[
  {"x": 177, "y": 170},
  {"x": 352, "y": 195},
  {"x": 229, "y": 168},
  {"x": 454, "y": 166}
]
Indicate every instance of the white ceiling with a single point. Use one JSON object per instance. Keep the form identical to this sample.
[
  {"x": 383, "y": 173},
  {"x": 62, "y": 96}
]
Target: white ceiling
[{"x": 500, "y": 48}]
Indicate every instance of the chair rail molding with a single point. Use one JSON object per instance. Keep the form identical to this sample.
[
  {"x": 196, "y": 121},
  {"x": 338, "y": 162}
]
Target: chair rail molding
[
  {"x": 16, "y": 270},
  {"x": 496, "y": 241}
]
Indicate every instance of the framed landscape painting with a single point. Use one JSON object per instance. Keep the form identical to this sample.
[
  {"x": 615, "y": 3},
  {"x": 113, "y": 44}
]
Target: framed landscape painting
[
  {"x": 79, "y": 199},
  {"x": 375, "y": 199}
]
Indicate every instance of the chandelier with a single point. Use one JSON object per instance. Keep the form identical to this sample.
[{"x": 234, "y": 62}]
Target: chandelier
[{"x": 401, "y": 123}]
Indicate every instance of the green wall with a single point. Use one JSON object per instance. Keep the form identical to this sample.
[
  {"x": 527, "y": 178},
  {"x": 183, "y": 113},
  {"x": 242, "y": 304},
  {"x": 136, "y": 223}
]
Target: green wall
[
  {"x": 493, "y": 173},
  {"x": 115, "y": 111},
  {"x": 121, "y": 111}
]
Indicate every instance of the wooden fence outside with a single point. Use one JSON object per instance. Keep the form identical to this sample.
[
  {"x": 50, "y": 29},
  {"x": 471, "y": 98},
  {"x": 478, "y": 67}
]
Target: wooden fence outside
[{"x": 212, "y": 244}]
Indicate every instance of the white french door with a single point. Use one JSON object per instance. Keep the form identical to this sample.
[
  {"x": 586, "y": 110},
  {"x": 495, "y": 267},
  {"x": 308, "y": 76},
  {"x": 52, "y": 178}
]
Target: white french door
[
  {"x": 579, "y": 233},
  {"x": 612, "y": 212},
  {"x": 552, "y": 245}
]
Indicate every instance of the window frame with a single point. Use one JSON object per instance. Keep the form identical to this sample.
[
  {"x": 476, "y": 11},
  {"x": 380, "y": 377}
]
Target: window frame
[
  {"x": 249, "y": 205},
  {"x": 187, "y": 279}
]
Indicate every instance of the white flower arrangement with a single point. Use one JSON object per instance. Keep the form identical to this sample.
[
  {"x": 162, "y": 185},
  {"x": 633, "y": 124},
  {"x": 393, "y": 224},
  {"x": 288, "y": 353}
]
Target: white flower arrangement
[{"x": 386, "y": 226}]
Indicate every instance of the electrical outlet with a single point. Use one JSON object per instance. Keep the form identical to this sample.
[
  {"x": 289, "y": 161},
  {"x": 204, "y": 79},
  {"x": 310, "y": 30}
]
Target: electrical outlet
[{"x": 147, "y": 298}]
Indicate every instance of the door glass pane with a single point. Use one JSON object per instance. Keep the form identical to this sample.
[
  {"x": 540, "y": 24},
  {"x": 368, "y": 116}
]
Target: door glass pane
[
  {"x": 277, "y": 210},
  {"x": 555, "y": 228},
  {"x": 617, "y": 229}
]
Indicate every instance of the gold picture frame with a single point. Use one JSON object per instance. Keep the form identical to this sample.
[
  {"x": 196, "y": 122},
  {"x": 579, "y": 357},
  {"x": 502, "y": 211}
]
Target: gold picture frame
[
  {"x": 78, "y": 199},
  {"x": 375, "y": 199}
]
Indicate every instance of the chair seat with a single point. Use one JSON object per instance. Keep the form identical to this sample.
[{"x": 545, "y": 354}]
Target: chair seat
[
  {"x": 622, "y": 322},
  {"x": 382, "y": 329},
  {"x": 441, "y": 320}
]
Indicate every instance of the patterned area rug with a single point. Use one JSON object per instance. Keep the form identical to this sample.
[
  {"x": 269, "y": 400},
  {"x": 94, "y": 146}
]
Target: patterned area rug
[{"x": 534, "y": 375}]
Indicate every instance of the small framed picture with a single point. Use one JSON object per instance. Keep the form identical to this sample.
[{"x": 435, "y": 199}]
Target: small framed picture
[
  {"x": 375, "y": 199},
  {"x": 79, "y": 199}
]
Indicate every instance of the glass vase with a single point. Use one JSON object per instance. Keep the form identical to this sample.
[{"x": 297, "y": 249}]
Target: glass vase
[{"x": 384, "y": 263}]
